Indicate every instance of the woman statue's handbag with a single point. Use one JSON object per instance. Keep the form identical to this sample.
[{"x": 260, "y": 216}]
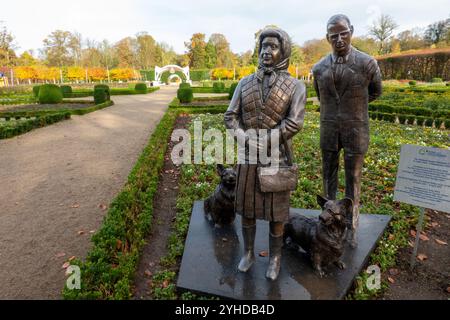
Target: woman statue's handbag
[{"x": 279, "y": 178}]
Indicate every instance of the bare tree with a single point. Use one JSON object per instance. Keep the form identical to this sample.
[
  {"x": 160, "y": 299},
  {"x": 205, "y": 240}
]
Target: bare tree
[
  {"x": 437, "y": 31},
  {"x": 382, "y": 30}
]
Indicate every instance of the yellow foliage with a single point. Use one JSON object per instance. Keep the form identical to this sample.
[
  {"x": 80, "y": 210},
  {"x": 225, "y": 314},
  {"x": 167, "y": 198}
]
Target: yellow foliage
[
  {"x": 97, "y": 74},
  {"x": 76, "y": 73},
  {"x": 122, "y": 74},
  {"x": 25, "y": 73},
  {"x": 222, "y": 74},
  {"x": 291, "y": 70},
  {"x": 245, "y": 71}
]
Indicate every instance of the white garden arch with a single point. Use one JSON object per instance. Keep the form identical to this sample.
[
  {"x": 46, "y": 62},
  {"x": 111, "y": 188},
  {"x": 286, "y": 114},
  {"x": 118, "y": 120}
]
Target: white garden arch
[{"x": 172, "y": 68}]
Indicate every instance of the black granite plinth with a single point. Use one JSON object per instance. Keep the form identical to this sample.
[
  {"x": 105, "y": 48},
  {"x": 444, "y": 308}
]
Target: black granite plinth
[{"x": 211, "y": 256}]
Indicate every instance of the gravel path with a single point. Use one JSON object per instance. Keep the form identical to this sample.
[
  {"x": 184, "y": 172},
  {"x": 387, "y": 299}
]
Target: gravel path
[{"x": 56, "y": 184}]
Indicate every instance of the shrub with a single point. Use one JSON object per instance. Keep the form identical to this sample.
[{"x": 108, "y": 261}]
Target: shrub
[
  {"x": 104, "y": 86},
  {"x": 36, "y": 91},
  {"x": 447, "y": 124},
  {"x": 218, "y": 87},
  {"x": 401, "y": 118},
  {"x": 438, "y": 122},
  {"x": 429, "y": 122},
  {"x": 100, "y": 96},
  {"x": 185, "y": 95},
  {"x": 50, "y": 93},
  {"x": 66, "y": 90},
  {"x": 184, "y": 85},
  {"x": 411, "y": 119},
  {"x": 436, "y": 80},
  {"x": 380, "y": 116},
  {"x": 389, "y": 117},
  {"x": 232, "y": 89},
  {"x": 421, "y": 111},
  {"x": 403, "y": 110},
  {"x": 420, "y": 120},
  {"x": 373, "y": 115},
  {"x": 441, "y": 114},
  {"x": 141, "y": 87},
  {"x": 412, "y": 82}
]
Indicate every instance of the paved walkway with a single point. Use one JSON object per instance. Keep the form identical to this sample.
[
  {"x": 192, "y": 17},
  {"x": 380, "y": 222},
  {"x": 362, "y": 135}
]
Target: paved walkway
[{"x": 56, "y": 183}]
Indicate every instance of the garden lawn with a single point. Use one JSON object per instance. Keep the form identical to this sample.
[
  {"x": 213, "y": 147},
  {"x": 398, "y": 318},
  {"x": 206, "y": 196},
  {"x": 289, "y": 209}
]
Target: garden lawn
[{"x": 379, "y": 173}]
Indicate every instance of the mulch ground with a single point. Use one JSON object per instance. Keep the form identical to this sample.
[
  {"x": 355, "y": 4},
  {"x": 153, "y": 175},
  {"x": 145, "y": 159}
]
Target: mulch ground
[
  {"x": 430, "y": 278},
  {"x": 164, "y": 212}
]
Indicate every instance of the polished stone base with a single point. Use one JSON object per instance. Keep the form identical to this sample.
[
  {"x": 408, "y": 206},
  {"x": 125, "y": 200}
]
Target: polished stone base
[{"x": 211, "y": 256}]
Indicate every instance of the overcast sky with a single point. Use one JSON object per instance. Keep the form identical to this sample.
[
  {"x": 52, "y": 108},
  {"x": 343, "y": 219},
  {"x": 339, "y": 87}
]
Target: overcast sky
[{"x": 174, "y": 21}]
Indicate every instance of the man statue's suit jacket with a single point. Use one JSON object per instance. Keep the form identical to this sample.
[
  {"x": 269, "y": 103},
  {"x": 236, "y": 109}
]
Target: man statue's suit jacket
[{"x": 344, "y": 112}]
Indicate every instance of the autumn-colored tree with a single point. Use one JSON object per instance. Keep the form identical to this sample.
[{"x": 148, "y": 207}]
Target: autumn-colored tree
[
  {"x": 122, "y": 74},
  {"x": 315, "y": 49},
  {"x": 197, "y": 51},
  {"x": 25, "y": 73},
  {"x": 244, "y": 59},
  {"x": 147, "y": 51},
  {"x": 45, "y": 73},
  {"x": 245, "y": 71},
  {"x": 365, "y": 44},
  {"x": 224, "y": 56},
  {"x": 292, "y": 69},
  {"x": 222, "y": 74},
  {"x": 76, "y": 73},
  {"x": 27, "y": 59},
  {"x": 411, "y": 40},
  {"x": 125, "y": 52},
  {"x": 97, "y": 74},
  {"x": 59, "y": 48}
]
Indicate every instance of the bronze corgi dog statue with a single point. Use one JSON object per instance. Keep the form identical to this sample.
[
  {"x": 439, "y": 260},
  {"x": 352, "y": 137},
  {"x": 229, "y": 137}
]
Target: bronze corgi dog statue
[
  {"x": 321, "y": 238},
  {"x": 219, "y": 207}
]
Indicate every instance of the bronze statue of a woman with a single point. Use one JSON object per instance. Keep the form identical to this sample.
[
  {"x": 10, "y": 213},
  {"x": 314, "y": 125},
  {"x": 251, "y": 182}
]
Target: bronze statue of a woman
[{"x": 269, "y": 99}]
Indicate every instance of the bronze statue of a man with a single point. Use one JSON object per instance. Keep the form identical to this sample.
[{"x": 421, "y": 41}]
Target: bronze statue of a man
[
  {"x": 345, "y": 81},
  {"x": 273, "y": 100}
]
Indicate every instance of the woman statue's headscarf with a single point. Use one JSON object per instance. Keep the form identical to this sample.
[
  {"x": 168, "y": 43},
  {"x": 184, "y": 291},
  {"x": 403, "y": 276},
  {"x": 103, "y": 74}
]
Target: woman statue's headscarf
[{"x": 283, "y": 64}]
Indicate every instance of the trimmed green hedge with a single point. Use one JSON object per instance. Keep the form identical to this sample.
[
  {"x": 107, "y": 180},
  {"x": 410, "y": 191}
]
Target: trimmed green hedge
[
  {"x": 185, "y": 95},
  {"x": 200, "y": 74},
  {"x": 184, "y": 85},
  {"x": 140, "y": 87},
  {"x": 66, "y": 89},
  {"x": 16, "y": 128},
  {"x": 36, "y": 91},
  {"x": 423, "y": 112},
  {"x": 192, "y": 108},
  {"x": 218, "y": 87},
  {"x": 232, "y": 89},
  {"x": 101, "y": 95},
  {"x": 45, "y": 112},
  {"x": 50, "y": 94},
  {"x": 110, "y": 266}
]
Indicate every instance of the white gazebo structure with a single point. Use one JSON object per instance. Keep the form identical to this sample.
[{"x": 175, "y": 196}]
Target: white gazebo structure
[{"x": 172, "y": 69}]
